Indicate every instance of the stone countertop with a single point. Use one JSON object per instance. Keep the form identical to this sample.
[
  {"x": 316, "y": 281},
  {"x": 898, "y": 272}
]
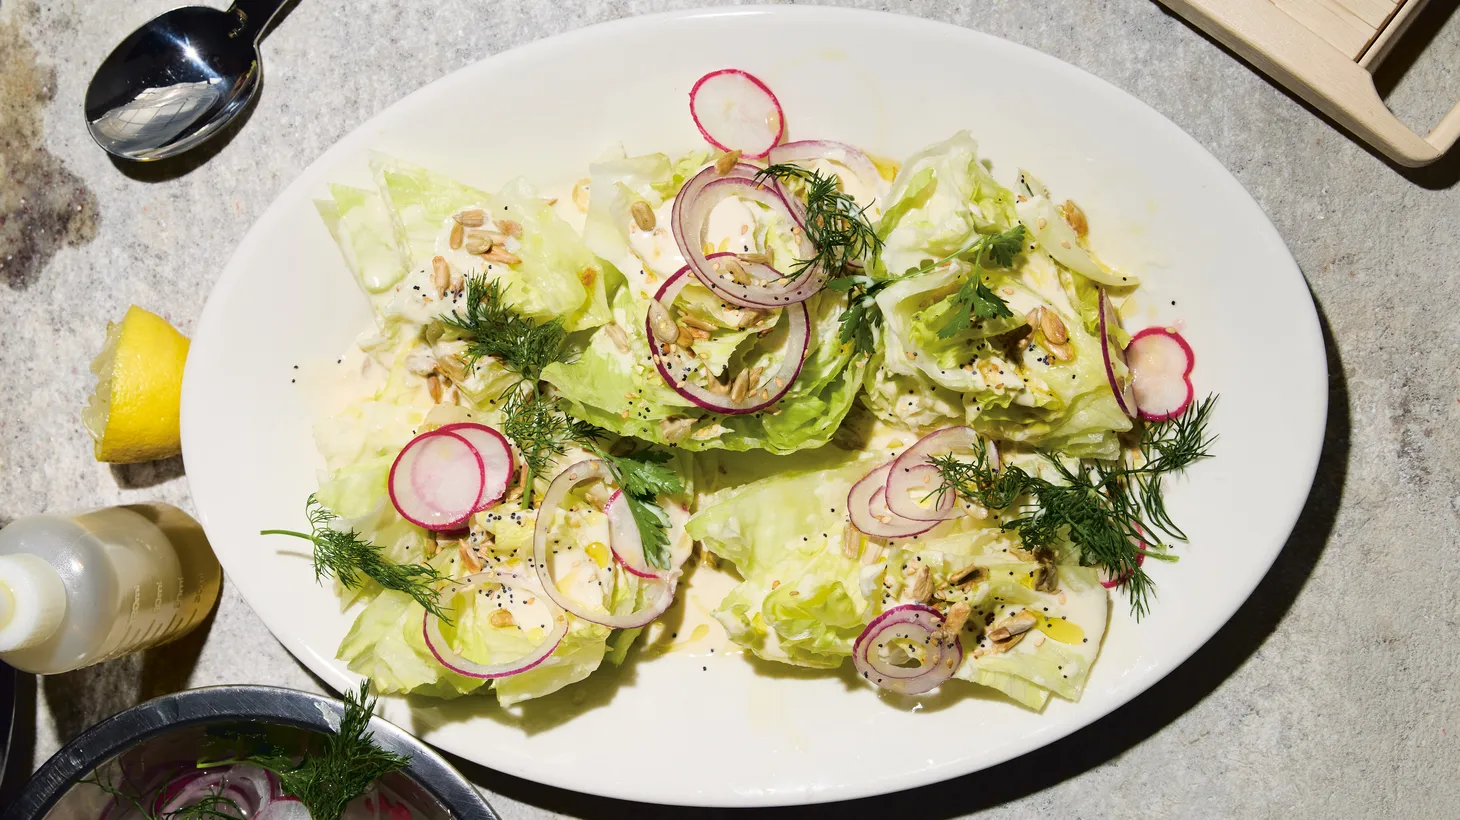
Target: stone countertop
[{"x": 1331, "y": 692}]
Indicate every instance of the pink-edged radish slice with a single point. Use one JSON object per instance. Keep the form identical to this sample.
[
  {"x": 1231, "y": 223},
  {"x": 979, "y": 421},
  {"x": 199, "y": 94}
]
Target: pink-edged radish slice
[
  {"x": 867, "y": 507},
  {"x": 436, "y": 481},
  {"x": 497, "y": 459},
  {"x": 624, "y": 538},
  {"x": 1119, "y": 384},
  {"x": 734, "y": 109},
  {"x": 1160, "y": 365}
]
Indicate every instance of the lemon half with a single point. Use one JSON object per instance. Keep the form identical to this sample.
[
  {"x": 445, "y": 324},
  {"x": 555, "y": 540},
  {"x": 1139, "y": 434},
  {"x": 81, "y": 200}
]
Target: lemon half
[{"x": 133, "y": 413}]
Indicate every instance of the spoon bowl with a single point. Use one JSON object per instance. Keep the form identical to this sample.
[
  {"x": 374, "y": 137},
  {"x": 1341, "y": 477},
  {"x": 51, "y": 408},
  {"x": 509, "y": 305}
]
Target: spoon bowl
[{"x": 177, "y": 81}]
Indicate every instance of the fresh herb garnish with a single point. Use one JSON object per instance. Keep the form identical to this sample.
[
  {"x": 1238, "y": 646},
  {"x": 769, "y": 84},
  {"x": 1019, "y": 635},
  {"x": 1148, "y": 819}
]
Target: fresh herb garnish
[
  {"x": 326, "y": 782},
  {"x": 642, "y": 477},
  {"x": 973, "y": 300},
  {"x": 1105, "y": 510},
  {"x": 346, "y": 556},
  {"x": 859, "y": 322},
  {"x": 493, "y": 329},
  {"x": 541, "y": 430},
  {"x": 836, "y": 225},
  {"x": 208, "y": 807}
]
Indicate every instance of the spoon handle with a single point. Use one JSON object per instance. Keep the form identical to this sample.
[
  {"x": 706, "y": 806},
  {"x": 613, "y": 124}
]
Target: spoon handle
[{"x": 254, "y": 16}]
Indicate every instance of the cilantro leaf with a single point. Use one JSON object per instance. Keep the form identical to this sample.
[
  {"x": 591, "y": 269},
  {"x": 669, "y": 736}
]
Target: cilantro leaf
[
  {"x": 643, "y": 477},
  {"x": 1003, "y": 247},
  {"x": 973, "y": 300}
]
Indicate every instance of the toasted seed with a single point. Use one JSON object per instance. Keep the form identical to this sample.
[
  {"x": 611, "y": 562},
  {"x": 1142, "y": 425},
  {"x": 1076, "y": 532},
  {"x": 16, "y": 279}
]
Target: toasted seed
[
  {"x": 501, "y": 255},
  {"x": 851, "y": 542},
  {"x": 500, "y": 617},
  {"x": 742, "y": 381},
  {"x": 748, "y": 317},
  {"x": 754, "y": 379},
  {"x": 675, "y": 429},
  {"x": 618, "y": 337},
  {"x": 458, "y": 283},
  {"x": 735, "y": 269},
  {"x": 971, "y": 574},
  {"x": 511, "y": 227},
  {"x": 468, "y": 556},
  {"x": 1016, "y": 624},
  {"x": 755, "y": 258},
  {"x": 683, "y": 338},
  {"x": 955, "y": 619},
  {"x": 1064, "y": 352},
  {"x": 1076, "y": 217},
  {"x": 581, "y": 190},
  {"x": 665, "y": 330},
  {"x": 695, "y": 322},
  {"x": 920, "y": 583},
  {"x": 471, "y": 218},
  {"x": 643, "y": 215},
  {"x": 440, "y": 275},
  {"x": 726, "y": 162},
  {"x": 458, "y": 233},
  {"x": 1053, "y": 329},
  {"x": 588, "y": 276},
  {"x": 478, "y": 242},
  {"x": 433, "y": 386}
]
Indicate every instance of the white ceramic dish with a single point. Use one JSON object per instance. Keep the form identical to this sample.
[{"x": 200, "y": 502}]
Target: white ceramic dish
[{"x": 720, "y": 731}]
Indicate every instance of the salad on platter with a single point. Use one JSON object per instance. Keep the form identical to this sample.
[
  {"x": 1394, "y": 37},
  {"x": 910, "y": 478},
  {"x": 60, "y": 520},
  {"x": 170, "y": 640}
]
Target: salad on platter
[{"x": 853, "y": 409}]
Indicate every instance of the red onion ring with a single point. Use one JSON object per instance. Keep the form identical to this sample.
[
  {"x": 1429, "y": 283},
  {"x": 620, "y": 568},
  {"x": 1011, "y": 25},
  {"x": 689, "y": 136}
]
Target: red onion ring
[
  {"x": 1124, "y": 396},
  {"x": 799, "y": 336},
  {"x": 441, "y": 649},
  {"x": 902, "y": 482},
  {"x": 867, "y": 508},
  {"x": 574, "y": 475},
  {"x": 806, "y": 150},
  {"x": 690, "y": 221},
  {"x": 916, "y": 624}
]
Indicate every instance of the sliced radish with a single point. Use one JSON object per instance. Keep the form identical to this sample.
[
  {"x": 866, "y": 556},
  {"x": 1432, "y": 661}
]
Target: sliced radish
[
  {"x": 733, "y": 109},
  {"x": 497, "y": 460},
  {"x": 1120, "y": 385},
  {"x": 624, "y": 538},
  {"x": 436, "y": 481},
  {"x": 907, "y": 483},
  {"x": 1160, "y": 365},
  {"x": 867, "y": 507},
  {"x": 1111, "y": 583}
]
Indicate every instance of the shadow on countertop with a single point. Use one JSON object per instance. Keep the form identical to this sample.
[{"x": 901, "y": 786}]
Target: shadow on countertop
[{"x": 1098, "y": 743}]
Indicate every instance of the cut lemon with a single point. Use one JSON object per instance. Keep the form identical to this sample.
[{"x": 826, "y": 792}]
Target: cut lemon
[{"x": 133, "y": 414}]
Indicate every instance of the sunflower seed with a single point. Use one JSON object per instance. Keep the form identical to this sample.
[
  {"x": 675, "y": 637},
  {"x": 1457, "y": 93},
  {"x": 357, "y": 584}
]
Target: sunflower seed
[
  {"x": 458, "y": 233},
  {"x": 433, "y": 386},
  {"x": 1053, "y": 329},
  {"x": 742, "y": 381},
  {"x": 511, "y": 227},
  {"x": 478, "y": 242},
  {"x": 471, "y": 218},
  {"x": 618, "y": 337},
  {"x": 726, "y": 162},
  {"x": 955, "y": 619},
  {"x": 1016, "y": 624},
  {"x": 1076, "y": 217},
  {"x": 675, "y": 429},
  {"x": 440, "y": 275},
  {"x": 501, "y": 617},
  {"x": 643, "y": 215},
  {"x": 665, "y": 330}
]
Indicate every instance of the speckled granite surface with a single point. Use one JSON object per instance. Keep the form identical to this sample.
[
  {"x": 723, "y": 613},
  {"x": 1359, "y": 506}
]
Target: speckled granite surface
[{"x": 1331, "y": 694}]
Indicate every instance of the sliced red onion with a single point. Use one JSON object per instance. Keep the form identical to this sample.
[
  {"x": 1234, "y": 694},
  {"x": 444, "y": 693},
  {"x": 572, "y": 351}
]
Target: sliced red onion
[
  {"x": 624, "y": 538},
  {"x": 734, "y": 109},
  {"x": 1109, "y": 320},
  {"x": 497, "y": 460},
  {"x": 867, "y": 508},
  {"x": 758, "y": 396},
  {"x": 246, "y": 785},
  {"x": 285, "y": 808},
  {"x": 663, "y": 587},
  {"x": 905, "y": 483},
  {"x": 807, "y": 150},
  {"x": 436, "y": 480},
  {"x": 441, "y": 649},
  {"x": 1160, "y": 364},
  {"x": 918, "y": 625},
  {"x": 690, "y": 222}
]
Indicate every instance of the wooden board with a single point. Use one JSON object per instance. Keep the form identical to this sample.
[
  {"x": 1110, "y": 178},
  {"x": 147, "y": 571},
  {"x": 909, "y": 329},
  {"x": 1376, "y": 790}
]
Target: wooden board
[{"x": 1324, "y": 51}]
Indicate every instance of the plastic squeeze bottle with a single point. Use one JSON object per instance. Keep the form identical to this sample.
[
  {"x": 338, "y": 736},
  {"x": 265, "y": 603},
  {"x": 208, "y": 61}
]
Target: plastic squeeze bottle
[{"x": 87, "y": 587}]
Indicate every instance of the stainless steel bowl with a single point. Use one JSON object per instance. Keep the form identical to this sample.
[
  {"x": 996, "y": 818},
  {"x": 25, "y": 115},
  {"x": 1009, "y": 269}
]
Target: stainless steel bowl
[{"x": 174, "y": 727}]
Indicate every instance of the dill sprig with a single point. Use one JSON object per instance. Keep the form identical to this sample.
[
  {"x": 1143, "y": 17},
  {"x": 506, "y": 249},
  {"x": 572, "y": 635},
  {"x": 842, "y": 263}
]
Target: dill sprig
[
  {"x": 348, "y": 557},
  {"x": 542, "y": 431},
  {"x": 836, "y": 225},
  {"x": 347, "y": 764},
  {"x": 1108, "y": 511},
  {"x": 208, "y": 807},
  {"x": 493, "y": 329}
]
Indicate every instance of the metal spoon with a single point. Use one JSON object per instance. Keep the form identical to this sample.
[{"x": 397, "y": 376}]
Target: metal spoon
[{"x": 177, "y": 81}]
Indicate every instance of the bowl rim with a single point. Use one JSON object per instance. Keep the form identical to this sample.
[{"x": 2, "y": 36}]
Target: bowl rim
[{"x": 214, "y": 704}]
